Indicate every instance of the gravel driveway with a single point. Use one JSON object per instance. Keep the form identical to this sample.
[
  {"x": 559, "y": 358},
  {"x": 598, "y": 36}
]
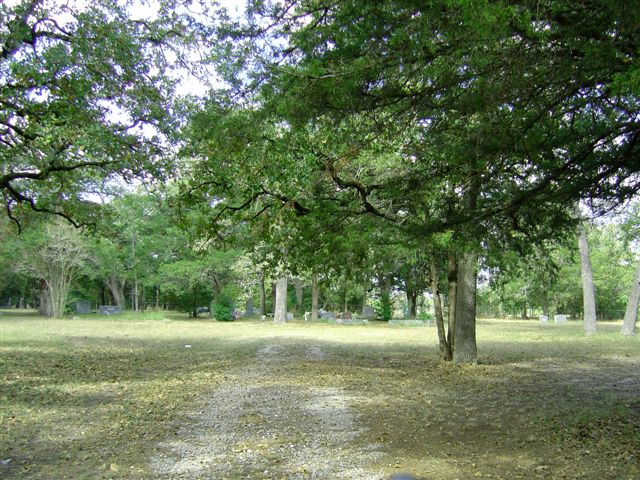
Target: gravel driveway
[{"x": 259, "y": 426}]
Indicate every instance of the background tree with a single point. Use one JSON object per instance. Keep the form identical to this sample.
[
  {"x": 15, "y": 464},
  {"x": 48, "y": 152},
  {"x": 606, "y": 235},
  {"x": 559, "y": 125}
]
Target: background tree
[
  {"x": 631, "y": 313},
  {"x": 588, "y": 290},
  {"x": 631, "y": 234},
  {"x": 55, "y": 254}
]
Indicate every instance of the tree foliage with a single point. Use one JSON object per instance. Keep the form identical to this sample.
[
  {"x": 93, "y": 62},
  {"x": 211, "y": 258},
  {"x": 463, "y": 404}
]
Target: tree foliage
[
  {"x": 526, "y": 101},
  {"x": 54, "y": 254},
  {"x": 86, "y": 96}
]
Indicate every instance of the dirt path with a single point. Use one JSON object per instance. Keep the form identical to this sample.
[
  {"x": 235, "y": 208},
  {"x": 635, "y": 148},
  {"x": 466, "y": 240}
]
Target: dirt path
[
  {"x": 259, "y": 425},
  {"x": 301, "y": 408}
]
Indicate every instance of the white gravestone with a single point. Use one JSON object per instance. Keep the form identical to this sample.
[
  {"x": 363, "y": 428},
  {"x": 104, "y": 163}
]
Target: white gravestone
[{"x": 560, "y": 318}]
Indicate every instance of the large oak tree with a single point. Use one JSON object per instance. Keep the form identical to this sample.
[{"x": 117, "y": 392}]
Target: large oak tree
[{"x": 484, "y": 120}]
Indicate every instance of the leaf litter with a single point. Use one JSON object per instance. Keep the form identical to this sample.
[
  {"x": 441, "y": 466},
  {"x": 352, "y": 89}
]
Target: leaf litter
[{"x": 308, "y": 401}]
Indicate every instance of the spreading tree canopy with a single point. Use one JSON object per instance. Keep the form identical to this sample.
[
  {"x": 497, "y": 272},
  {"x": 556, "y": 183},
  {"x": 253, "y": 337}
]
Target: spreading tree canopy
[
  {"x": 526, "y": 105},
  {"x": 86, "y": 93},
  {"x": 485, "y": 121}
]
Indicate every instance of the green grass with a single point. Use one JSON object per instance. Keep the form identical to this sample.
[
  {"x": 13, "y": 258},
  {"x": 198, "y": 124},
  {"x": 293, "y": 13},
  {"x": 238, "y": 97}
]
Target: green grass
[{"x": 92, "y": 397}]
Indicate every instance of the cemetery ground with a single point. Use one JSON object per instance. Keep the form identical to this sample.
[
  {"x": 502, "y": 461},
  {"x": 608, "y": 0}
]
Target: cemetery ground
[{"x": 166, "y": 397}]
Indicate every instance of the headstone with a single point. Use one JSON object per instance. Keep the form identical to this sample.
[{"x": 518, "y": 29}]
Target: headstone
[
  {"x": 560, "y": 318},
  {"x": 346, "y": 315},
  {"x": 249, "y": 307},
  {"x": 306, "y": 316},
  {"x": 83, "y": 307},
  {"x": 263, "y": 318},
  {"x": 109, "y": 310},
  {"x": 368, "y": 311},
  {"x": 289, "y": 316},
  {"x": 544, "y": 318},
  {"x": 326, "y": 315}
]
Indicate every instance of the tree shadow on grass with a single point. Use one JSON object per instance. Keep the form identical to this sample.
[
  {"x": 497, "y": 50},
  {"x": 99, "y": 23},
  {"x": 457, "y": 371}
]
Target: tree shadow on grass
[
  {"x": 73, "y": 405},
  {"x": 522, "y": 418},
  {"x": 513, "y": 416}
]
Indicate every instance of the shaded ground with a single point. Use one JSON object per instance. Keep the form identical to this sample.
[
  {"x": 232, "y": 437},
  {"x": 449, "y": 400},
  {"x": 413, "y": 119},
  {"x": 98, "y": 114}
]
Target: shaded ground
[
  {"x": 195, "y": 400},
  {"x": 267, "y": 423}
]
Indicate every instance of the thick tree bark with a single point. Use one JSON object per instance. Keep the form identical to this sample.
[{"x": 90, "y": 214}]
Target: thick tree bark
[
  {"x": 298, "y": 286},
  {"x": 452, "y": 278},
  {"x": 280, "y": 314},
  {"x": 465, "y": 349},
  {"x": 262, "y": 295},
  {"x": 273, "y": 296},
  {"x": 631, "y": 314},
  {"x": 116, "y": 287},
  {"x": 315, "y": 297},
  {"x": 45, "y": 302},
  {"x": 445, "y": 347},
  {"x": 412, "y": 296},
  {"x": 588, "y": 291}
]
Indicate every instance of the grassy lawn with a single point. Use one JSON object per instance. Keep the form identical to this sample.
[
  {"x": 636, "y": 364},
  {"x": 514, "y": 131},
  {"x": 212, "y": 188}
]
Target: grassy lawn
[{"x": 92, "y": 397}]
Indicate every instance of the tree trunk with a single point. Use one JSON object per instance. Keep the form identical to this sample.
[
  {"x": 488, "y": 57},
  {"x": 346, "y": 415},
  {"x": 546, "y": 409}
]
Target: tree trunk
[
  {"x": 545, "y": 301},
  {"x": 465, "y": 349},
  {"x": 412, "y": 304},
  {"x": 280, "y": 314},
  {"x": 215, "y": 290},
  {"x": 588, "y": 291},
  {"x": 116, "y": 287},
  {"x": 631, "y": 314},
  {"x": 298, "y": 286},
  {"x": 445, "y": 347},
  {"x": 195, "y": 301},
  {"x": 45, "y": 301},
  {"x": 273, "y": 296},
  {"x": 261, "y": 293},
  {"x": 385, "y": 298},
  {"x": 136, "y": 294},
  {"x": 57, "y": 296},
  {"x": 452, "y": 277},
  {"x": 315, "y": 297},
  {"x": 249, "y": 306},
  {"x": 524, "y": 314}
]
